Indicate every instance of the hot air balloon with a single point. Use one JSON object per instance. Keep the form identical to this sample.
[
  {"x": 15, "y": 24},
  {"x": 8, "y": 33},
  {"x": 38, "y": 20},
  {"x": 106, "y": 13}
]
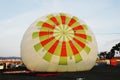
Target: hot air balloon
[{"x": 59, "y": 42}]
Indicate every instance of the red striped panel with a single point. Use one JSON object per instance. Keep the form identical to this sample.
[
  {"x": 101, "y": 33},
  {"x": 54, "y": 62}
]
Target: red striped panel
[
  {"x": 43, "y": 33},
  {"x": 72, "y": 21},
  {"x": 81, "y": 35},
  {"x": 55, "y": 20},
  {"x": 75, "y": 51},
  {"x": 63, "y": 19},
  {"x": 47, "y": 41},
  {"x": 52, "y": 49},
  {"x": 80, "y": 27},
  {"x": 63, "y": 50},
  {"x": 48, "y": 25},
  {"x": 79, "y": 42}
]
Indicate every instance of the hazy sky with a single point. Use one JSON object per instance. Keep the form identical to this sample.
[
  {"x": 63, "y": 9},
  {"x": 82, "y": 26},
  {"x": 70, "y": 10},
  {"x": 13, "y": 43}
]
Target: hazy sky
[{"x": 103, "y": 17}]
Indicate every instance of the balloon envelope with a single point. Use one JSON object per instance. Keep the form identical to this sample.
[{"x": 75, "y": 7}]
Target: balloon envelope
[{"x": 59, "y": 43}]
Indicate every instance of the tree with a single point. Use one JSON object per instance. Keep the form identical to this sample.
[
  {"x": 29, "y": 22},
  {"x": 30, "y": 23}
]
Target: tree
[
  {"x": 103, "y": 55},
  {"x": 110, "y": 55}
]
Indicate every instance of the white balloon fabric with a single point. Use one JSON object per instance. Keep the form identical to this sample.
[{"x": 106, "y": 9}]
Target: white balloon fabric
[{"x": 59, "y": 43}]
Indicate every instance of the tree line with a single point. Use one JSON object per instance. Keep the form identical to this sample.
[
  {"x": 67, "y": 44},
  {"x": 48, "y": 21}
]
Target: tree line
[{"x": 111, "y": 53}]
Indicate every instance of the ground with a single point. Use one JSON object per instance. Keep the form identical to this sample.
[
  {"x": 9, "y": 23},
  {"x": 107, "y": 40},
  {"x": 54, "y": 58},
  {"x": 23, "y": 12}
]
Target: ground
[{"x": 97, "y": 73}]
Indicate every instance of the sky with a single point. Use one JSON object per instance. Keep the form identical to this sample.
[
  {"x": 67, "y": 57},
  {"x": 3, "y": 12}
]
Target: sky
[{"x": 16, "y": 16}]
